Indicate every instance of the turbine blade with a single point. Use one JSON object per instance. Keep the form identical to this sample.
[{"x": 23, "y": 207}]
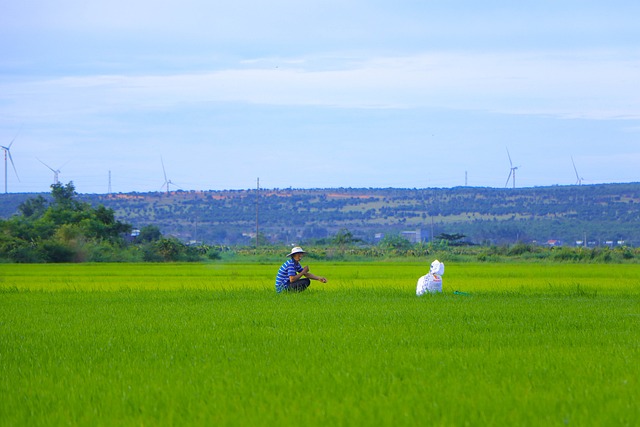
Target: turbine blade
[
  {"x": 575, "y": 169},
  {"x": 508, "y": 178},
  {"x": 163, "y": 171},
  {"x": 14, "y": 138},
  {"x": 13, "y": 164},
  {"x": 46, "y": 165},
  {"x": 510, "y": 162}
]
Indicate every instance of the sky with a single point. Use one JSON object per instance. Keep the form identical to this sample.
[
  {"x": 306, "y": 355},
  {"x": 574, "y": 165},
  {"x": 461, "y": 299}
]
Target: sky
[{"x": 318, "y": 94}]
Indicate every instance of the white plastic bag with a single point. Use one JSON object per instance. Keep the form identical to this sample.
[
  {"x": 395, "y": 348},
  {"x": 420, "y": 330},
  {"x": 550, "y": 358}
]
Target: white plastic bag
[{"x": 431, "y": 282}]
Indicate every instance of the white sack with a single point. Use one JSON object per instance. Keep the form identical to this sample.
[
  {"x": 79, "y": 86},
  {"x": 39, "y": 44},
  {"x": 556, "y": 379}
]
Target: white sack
[{"x": 431, "y": 282}]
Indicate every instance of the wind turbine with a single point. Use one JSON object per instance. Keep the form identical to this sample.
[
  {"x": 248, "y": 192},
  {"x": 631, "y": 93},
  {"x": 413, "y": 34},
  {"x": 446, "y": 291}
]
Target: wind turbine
[
  {"x": 7, "y": 153},
  {"x": 166, "y": 181},
  {"x": 579, "y": 179},
  {"x": 512, "y": 172},
  {"x": 55, "y": 172}
]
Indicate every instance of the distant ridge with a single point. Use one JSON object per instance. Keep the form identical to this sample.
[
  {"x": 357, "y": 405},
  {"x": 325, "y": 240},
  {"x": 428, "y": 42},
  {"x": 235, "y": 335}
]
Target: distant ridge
[{"x": 597, "y": 213}]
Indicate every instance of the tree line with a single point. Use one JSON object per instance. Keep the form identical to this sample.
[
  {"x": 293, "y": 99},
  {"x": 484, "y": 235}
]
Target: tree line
[
  {"x": 484, "y": 215},
  {"x": 64, "y": 229},
  {"x": 596, "y": 214}
]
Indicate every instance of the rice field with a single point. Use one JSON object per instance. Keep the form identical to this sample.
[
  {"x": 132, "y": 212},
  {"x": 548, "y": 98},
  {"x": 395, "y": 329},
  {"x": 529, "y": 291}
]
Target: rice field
[{"x": 213, "y": 344}]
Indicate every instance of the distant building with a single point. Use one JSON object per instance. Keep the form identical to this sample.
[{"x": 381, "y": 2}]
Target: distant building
[
  {"x": 412, "y": 236},
  {"x": 554, "y": 243}
]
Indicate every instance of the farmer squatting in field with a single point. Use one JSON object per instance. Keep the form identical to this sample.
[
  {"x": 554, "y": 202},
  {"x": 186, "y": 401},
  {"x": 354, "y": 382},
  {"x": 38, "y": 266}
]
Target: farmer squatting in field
[{"x": 290, "y": 275}]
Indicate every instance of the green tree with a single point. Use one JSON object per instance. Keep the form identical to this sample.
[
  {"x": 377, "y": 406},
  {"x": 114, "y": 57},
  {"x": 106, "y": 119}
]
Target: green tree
[
  {"x": 62, "y": 231},
  {"x": 344, "y": 238},
  {"x": 64, "y": 195},
  {"x": 149, "y": 233},
  {"x": 169, "y": 249},
  {"x": 451, "y": 239},
  {"x": 395, "y": 242},
  {"x": 33, "y": 208}
]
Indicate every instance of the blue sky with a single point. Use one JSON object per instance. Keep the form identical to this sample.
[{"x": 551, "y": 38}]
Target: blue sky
[{"x": 317, "y": 94}]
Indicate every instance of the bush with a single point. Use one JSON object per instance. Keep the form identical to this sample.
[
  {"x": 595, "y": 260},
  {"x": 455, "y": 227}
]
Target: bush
[
  {"x": 57, "y": 252},
  {"x": 603, "y": 255},
  {"x": 25, "y": 254},
  {"x": 213, "y": 254},
  {"x": 520, "y": 249},
  {"x": 150, "y": 254}
]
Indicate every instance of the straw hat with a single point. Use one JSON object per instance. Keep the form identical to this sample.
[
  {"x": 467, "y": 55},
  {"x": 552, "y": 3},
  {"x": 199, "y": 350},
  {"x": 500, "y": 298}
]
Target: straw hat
[{"x": 297, "y": 250}]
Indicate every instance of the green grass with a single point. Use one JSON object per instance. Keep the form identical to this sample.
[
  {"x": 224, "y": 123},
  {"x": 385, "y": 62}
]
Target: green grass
[{"x": 213, "y": 344}]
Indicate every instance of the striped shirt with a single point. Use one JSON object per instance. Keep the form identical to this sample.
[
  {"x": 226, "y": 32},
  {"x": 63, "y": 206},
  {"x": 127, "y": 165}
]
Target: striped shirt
[{"x": 289, "y": 268}]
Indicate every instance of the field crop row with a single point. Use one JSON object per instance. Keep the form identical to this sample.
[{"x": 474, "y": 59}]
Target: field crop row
[{"x": 398, "y": 277}]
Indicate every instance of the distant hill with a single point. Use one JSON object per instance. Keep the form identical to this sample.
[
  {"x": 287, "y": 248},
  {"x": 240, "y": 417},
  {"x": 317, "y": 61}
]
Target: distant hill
[{"x": 601, "y": 214}]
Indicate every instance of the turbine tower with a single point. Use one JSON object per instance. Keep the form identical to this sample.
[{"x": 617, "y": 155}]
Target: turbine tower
[
  {"x": 166, "y": 181},
  {"x": 579, "y": 179},
  {"x": 56, "y": 172},
  {"x": 7, "y": 153},
  {"x": 512, "y": 172}
]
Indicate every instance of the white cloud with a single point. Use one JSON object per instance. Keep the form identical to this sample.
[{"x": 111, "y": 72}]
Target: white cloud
[{"x": 584, "y": 84}]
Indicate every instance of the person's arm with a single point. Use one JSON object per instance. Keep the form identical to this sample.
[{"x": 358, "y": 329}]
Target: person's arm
[
  {"x": 302, "y": 272},
  {"x": 314, "y": 277}
]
